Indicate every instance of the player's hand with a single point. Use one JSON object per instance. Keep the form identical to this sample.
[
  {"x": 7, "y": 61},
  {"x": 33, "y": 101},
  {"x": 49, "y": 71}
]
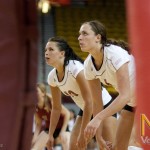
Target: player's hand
[
  {"x": 106, "y": 145},
  {"x": 91, "y": 128},
  {"x": 50, "y": 143},
  {"x": 62, "y": 137},
  {"x": 109, "y": 144},
  {"x": 81, "y": 141}
]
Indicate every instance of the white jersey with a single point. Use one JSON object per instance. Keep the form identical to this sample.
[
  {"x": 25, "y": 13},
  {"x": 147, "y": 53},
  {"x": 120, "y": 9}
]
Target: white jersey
[
  {"x": 69, "y": 85},
  {"x": 114, "y": 58}
]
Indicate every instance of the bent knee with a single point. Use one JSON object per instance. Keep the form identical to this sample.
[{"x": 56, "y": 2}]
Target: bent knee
[{"x": 119, "y": 147}]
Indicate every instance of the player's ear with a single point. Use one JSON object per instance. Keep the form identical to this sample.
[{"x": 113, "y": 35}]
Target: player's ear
[
  {"x": 62, "y": 53},
  {"x": 98, "y": 38}
]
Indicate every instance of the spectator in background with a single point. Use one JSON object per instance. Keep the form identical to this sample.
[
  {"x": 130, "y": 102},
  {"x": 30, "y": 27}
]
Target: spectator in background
[
  {"x": 72, "y": 120},
  {"x": 42, "y": 121}
]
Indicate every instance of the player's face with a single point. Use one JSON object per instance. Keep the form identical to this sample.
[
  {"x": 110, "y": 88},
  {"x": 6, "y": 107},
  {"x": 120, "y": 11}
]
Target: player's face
[
  {"x": 52, "y": 54},
  {"x": 87, "y": 38}
]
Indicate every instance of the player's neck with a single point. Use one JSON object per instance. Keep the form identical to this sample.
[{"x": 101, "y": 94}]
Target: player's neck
[
  {"x": 98, "y": 58},
  {"x": 60, "y": 74}
]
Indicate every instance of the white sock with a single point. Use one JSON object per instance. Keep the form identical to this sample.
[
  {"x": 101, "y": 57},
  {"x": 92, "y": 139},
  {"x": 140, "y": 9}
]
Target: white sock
[{"x": 134, "y": 148}]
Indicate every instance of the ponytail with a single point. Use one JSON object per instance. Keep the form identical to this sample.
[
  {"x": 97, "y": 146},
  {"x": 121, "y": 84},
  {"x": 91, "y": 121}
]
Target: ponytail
[
  {"x": 98, "y": 28},
  {"x": 120, "y": 43}
]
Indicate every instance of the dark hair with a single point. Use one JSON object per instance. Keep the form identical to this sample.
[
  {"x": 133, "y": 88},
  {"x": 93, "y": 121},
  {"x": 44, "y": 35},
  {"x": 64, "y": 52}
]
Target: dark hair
[
  {"x": 47, "y": 100},
  {"x": 98, "y": 28},
  {"x": 64, "y": 46}
]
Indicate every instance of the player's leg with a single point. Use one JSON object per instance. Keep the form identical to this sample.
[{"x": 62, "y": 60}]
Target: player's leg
[
  {"x": 134, "y": 143},
  {"x": 108, "y": 132},
  {"x": 109, "y": 128},
  {"x": 41, "y": 141},
  {"x": 124, "y": 128},
  {"x": 75, "y": 133},
  {"x": 64, "y": 140}
]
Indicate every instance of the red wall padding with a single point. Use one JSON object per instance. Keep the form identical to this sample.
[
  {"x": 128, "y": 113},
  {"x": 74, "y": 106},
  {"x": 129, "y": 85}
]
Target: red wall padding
[
  {"x": 138, "y": 15},
  {"x": 18, "y": 72}
]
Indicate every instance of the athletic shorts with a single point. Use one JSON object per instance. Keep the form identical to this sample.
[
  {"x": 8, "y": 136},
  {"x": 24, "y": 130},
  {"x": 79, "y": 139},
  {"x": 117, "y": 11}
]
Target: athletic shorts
[
  {"x": 129, "y": 108},
  {"x": 56, "y": 133},
  {"x": 105, "y": 106}
]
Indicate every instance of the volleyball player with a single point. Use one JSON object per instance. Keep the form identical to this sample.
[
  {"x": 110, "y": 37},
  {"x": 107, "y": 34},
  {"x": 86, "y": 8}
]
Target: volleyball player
[
  {"x": 111, "y": 63},
  {"x": 68, "y": 77}
]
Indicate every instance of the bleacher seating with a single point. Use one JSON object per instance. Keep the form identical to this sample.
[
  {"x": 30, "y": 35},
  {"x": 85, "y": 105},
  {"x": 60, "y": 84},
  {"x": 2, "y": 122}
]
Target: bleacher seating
[
  {"x": 69, "y": 19},
  {"x": 111, "y": 13}
]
